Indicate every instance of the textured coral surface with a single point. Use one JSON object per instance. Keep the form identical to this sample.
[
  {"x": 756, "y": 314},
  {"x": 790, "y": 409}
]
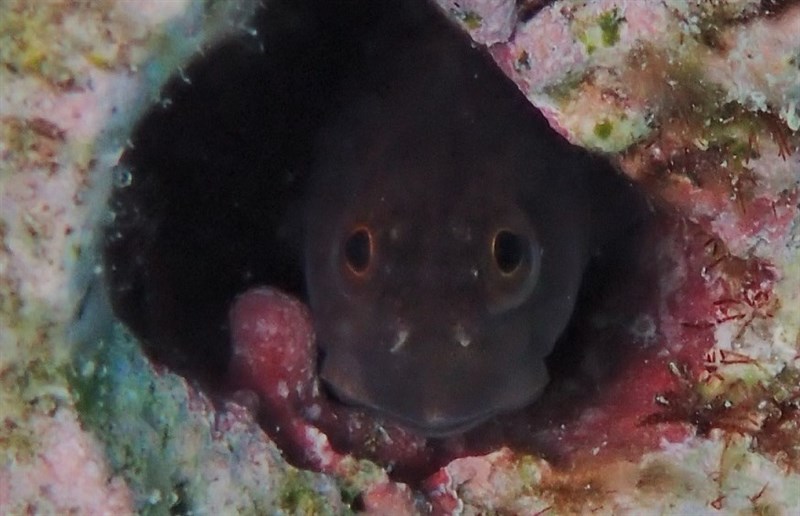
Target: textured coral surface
[{"x": 698, "y": 101}]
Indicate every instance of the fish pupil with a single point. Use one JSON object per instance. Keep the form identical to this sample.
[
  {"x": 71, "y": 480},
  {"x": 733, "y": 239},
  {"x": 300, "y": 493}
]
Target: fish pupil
[
  {"x": 358, "y": 250},
  {"x": 508, "y": 250}
]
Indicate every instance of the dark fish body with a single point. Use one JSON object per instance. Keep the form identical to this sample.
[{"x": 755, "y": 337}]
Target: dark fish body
[
  {"x": 446, "y": 233},
  {"x": 439, "y": 232}
]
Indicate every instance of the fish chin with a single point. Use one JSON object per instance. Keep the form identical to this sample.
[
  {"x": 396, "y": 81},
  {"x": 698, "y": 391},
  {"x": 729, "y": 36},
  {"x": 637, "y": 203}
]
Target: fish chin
[{"x": 429, "y": 424}]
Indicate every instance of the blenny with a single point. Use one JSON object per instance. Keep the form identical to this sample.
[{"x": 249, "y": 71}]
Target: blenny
[{"x": 447, "y": 229}]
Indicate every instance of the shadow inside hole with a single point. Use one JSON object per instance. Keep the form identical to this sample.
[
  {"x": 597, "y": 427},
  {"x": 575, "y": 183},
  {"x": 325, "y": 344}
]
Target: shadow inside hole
[
  {"x": 618, "y": 287},
  {"x": 218, "y": 173},
  {"x": 218, "y": 168}
]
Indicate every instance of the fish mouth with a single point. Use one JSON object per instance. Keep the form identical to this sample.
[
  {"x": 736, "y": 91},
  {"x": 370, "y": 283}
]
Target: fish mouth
[
  {"x": 429, "y": 422},
  {"x": 441, "y": 427}
]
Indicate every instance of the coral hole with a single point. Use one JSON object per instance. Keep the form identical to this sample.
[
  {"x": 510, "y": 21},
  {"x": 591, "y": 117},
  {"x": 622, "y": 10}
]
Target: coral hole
[{"x": 219, "y": 162}]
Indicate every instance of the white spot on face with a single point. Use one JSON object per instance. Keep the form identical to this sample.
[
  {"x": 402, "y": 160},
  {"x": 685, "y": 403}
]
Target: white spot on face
[
  {"x": 461, "y": 336},
  {"x": 400, "y": 339}
]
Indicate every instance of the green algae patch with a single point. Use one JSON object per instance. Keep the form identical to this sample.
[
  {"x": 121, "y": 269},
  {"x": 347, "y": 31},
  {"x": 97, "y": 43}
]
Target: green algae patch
[
  {"x": 603, "y": 32},
  {"x": 33, "y": 373},
  {"x": 529, "y": 469},
  {"x": 568, "y": 87},
  {"x": 603, "y": 129},
  {"x": 38, "y": 387},
  {"x": 358, "y": 475},
  {"x": 297, "y": 495},
  {"x": 470, "y": 19},
  {"x": 165, "y": 440},
  {"x": 615, "y": 133},
  {"x": 175, "y": 451},
  {"x": 779, "y": 436},
  {"x": 735, "y": 132},
  {"x": 119, "y": 399},
  {"x": 48, "y": 39},
  {"x": 609, "y": 23},
  {"x": 707, "y": 21},
  {"x": 721, "y": 142}
]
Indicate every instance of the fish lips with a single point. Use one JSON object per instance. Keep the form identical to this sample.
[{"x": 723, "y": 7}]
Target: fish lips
[{"x": 433, "y": 409}]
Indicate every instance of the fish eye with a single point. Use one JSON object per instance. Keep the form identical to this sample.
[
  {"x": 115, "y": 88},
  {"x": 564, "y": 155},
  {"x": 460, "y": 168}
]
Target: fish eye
[
  {"x": 515, "y": 260},
  {"x": 508, "y": 251},
  {"x": 358, "y": 250}
]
